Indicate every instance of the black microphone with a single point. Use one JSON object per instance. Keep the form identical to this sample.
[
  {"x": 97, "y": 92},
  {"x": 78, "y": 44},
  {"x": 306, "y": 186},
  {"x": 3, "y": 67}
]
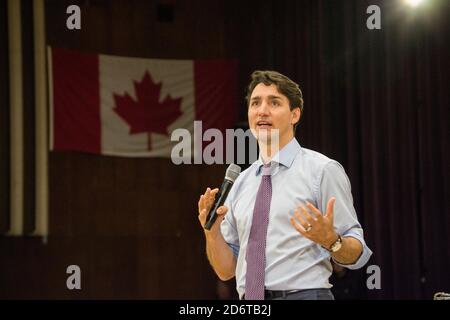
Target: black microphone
[{"x": 231, "y": 175}]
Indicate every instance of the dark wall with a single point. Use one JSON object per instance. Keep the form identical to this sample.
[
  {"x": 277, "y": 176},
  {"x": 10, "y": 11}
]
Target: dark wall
[{"x": 375, "y": 100}]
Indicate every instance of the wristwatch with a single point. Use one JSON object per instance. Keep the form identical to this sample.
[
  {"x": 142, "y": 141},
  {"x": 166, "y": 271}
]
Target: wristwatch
[{"x": 337, "y": 245}]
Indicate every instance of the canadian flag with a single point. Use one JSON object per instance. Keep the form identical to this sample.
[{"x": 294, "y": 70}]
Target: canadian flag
[{"x": 128, "y": 106}]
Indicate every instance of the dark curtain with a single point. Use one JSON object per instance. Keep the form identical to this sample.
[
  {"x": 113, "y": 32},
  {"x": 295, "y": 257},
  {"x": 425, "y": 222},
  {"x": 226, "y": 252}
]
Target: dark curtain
[{"x": 376, "y": 101}]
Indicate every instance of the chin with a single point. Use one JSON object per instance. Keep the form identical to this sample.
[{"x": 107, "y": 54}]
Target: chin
[{"x": 267, "y": 135}]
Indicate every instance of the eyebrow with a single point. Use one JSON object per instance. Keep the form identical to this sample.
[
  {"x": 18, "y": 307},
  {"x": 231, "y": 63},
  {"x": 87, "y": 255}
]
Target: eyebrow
[{"x": 270, "y": 97}]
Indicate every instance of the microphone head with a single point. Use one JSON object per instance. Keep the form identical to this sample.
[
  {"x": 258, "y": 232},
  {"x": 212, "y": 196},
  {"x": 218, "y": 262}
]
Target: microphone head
[{"x": 232, "y": 172}]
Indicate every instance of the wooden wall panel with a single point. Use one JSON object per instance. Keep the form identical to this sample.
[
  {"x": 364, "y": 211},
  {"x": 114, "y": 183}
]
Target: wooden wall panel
[
  {"x": 4, "y": 120},
  {"x": 29, "y": 116}
]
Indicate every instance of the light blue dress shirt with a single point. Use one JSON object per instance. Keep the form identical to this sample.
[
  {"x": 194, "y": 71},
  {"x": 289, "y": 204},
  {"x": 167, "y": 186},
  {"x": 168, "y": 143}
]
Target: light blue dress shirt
[{"x": 292, "y": 261}]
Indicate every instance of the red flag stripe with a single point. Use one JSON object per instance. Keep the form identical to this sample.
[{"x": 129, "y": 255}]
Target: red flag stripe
[
  {"x": 76, "y": 101},
  {"x": 215, "y": 96}
]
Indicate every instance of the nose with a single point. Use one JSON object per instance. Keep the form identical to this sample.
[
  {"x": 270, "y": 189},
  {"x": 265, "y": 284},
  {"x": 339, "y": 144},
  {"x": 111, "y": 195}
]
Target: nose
[{"x": 263, "y": 108}]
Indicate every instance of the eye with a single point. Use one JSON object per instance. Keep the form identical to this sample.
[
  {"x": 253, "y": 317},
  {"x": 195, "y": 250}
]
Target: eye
[
  {"x": 275, "y": 103},
  {"x": 254, "y": 103}
]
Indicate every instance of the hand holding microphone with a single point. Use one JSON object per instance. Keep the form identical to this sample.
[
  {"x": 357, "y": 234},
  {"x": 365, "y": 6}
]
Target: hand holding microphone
[
  {"x": 210, "y": 205},
  {"x": 204, "y": 207}
]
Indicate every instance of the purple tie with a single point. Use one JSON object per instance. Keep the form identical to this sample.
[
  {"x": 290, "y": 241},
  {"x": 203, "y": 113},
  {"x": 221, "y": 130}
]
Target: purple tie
[{"x": 256, "y": 246}]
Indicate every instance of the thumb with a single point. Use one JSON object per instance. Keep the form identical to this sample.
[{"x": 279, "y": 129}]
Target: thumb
[
  {"x": 330, "y": 208},
  {"x": 222, "y": 210}
]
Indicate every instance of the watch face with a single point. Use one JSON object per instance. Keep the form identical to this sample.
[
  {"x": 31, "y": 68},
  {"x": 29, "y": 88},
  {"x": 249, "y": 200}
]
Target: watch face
[{"x": 336, "y": 246}]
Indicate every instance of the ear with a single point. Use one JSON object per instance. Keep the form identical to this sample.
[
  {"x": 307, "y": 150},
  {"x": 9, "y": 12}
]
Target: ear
[{"x": 296, "y": 115}]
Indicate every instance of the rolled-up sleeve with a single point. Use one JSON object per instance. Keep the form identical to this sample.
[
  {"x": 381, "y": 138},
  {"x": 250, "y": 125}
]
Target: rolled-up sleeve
[
  {"x": 334, "y": 182},
  {"x": 363, "y": 258}
]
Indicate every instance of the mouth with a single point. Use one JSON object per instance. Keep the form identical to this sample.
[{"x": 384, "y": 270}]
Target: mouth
[{"x": 263, "y": 124}]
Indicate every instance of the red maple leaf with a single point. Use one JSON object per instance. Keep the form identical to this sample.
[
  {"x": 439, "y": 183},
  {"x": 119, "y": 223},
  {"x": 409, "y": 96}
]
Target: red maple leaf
[{"x": 147, "y": 114}]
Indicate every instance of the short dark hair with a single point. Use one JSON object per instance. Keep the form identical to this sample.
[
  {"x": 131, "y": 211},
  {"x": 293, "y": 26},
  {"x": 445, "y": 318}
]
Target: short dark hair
[{"x": 284, "y": 85}]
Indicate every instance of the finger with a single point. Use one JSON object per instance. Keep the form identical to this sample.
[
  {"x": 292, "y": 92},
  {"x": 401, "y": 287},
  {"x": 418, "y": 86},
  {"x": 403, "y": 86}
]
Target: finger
[
  {"x": 211, "y": 193},
  {"x": 202, "y": 216},
  {"x": 303, "y": 223},
  {"x": 211, "y": 197},
  {"x": 200, "y": 203},
  {"x": 307, "y": 216},
  {"x": 330, "y": 208},
  {"x": 314, "y": 210},
  {"x": 207, "y": 195},
  {"x": 202, "y": 213},
  {"x": 298, "y": 227},
  {"x": 204, "y": 198}
]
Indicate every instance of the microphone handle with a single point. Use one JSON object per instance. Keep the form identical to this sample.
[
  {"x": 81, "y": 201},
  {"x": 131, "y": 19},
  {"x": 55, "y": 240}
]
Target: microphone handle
[{"x": 218, "y": 201}]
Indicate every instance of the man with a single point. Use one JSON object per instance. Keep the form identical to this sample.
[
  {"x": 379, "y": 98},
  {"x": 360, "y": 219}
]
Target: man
[{"x": 288, "y": 213}]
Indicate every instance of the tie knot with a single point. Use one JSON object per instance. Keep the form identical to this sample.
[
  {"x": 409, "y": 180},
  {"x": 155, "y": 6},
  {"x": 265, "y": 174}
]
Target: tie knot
[{"x": 266, "y": 170}]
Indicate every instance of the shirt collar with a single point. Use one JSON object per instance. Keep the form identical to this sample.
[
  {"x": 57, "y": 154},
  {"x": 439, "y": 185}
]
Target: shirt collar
[{"x": 284, "y": 157}]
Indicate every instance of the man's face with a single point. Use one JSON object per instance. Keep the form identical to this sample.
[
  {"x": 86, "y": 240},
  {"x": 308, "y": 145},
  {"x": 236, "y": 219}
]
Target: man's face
[{"x": 269, "y": 109}]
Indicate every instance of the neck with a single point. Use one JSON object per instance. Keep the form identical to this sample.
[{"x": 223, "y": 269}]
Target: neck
[{"x": 268, "y": 149}]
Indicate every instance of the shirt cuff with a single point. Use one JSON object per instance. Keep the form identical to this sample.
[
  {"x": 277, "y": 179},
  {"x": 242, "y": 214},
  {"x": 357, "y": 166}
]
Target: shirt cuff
[{"x": 363, "y": 258}]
